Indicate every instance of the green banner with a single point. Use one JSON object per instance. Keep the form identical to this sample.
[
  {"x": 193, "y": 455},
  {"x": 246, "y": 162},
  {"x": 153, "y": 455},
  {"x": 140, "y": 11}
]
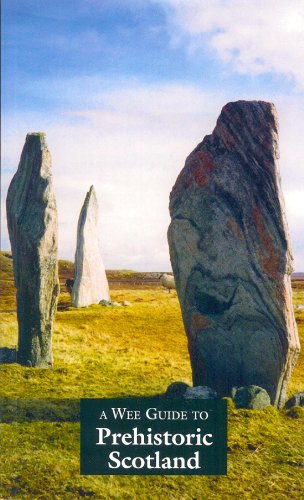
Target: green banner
[{"x": 153, "y": 436}]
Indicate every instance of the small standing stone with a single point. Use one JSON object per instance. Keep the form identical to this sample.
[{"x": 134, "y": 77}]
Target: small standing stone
[
  {"x": 32, "y": 226},
  {"x": 90, "y": 281}
]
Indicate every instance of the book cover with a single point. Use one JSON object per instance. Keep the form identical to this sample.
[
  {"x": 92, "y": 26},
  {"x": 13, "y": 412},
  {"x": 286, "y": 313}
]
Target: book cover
[{"x": 139, "y": 361}]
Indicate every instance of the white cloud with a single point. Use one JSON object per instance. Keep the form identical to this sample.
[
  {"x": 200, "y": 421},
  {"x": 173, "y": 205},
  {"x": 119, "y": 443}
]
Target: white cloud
[
  {"x": 131, "y": 145},
  {"x": 250, "y": 36}
]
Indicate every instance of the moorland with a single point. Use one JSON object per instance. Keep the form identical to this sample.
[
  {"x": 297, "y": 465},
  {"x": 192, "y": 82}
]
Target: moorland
[{"x": 121, "y": 351}]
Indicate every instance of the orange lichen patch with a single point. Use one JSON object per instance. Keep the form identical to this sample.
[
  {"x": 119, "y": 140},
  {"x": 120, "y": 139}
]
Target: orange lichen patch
[
  {"x": 268, "y": 256},
  {"x": 198, "y": 322},
  {"x": 201, "y": 171},
  {"x": 205, "y": 159},
  {"x": 200, "y": 175},
  {"x": 270, "y": 265},
  {"x": 235, "y": 228},
  {"x": 198, "y": 170}
]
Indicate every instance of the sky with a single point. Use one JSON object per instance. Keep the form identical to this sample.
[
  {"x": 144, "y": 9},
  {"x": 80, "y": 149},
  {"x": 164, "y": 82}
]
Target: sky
[{"x": 125, "y": 89}]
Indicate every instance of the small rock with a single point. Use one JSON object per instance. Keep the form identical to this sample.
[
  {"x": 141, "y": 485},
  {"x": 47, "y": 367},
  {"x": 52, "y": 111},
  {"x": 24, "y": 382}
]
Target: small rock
[
  {"x": 200, "y": 392},
  {"x": 114, "y": 303},
  {"x": 176, "y": 390},
  {"x": 104, "y": 302},
  {"x": 126, "y": 303},
  {"x": 252, "y": 397},
  {"x": 296, "y": 400}
]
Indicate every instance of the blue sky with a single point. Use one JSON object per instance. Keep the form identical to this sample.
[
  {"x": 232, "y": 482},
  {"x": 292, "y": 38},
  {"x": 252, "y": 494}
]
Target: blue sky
[{"x": 126, "y": 89}]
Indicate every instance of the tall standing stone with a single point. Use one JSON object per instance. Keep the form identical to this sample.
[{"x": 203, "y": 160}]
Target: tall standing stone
[
  {"x": 231, "y": 256},
  {"x": 90, "y": 281},
  {"x": 32, "y": 226}
]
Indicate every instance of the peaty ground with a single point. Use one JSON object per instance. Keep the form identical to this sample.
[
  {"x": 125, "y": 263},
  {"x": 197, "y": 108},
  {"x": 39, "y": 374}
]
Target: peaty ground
[{"x": 120, "y": 351}]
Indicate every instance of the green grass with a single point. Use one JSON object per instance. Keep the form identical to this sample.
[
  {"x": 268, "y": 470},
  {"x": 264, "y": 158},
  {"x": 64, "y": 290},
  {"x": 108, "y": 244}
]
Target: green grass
[
  {"x": 96, "y": 348},
  {"x": 137, "y": 350}
]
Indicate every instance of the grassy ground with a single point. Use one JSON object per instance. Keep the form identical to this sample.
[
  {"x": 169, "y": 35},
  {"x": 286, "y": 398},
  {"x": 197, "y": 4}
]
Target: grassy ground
[{"x": 137, "y": 350}]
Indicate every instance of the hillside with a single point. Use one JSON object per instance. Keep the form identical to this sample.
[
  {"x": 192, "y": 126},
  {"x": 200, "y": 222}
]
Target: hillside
[{"x": 118, "y": 279}]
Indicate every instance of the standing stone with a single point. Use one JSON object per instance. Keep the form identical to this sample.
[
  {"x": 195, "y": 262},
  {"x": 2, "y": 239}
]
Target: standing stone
[
  {"x": 231, "y": 256},
  {"x": 90, "y": 281},
  {"x": 32, "y": 226}
]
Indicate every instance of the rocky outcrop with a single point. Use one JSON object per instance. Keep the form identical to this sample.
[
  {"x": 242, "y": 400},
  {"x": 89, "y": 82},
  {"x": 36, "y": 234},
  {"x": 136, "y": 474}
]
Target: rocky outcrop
[
  {"x": 231, "y": 256},
  {"x": 32, "y": 226},
  {"x": 90, "y": 281}
]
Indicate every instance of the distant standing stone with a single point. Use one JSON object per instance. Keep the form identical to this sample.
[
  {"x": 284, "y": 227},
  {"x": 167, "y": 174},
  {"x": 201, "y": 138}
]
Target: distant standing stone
[
  {"x": 231, "y": 256},
  {"x": 32, "y": 226},
  {"x": 90, "y": 281}
]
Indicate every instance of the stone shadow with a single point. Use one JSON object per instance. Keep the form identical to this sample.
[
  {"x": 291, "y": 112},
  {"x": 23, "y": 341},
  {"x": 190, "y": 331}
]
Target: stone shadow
[{"x": 47, "y": 410}]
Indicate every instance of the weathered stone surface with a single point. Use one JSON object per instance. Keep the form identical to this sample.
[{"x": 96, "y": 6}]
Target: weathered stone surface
[
  {"x": 32, "y": 226},
  {"x": 251, "y": 397},
  {"x": 90, "y": 281},
  {"x": 296, "y": 400},
  {"x": 200, "y": 392},
  {"x": 231, "y": 256}
]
